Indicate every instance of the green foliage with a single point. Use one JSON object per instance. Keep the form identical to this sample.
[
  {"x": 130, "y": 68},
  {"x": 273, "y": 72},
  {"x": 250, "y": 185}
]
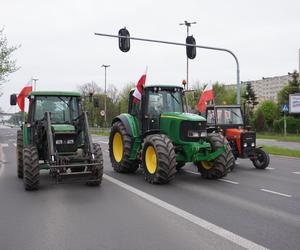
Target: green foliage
[
  {"x": 124, "y": 98},
  {"x": 292, "y": 125},
  {"x": 265, "y": 115},
  {"x": 7, "y": 65},
  {"x": 224, "y": 95}
]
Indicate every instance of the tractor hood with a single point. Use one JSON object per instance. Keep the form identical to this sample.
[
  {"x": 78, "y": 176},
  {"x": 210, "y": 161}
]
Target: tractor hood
[
  {"x": 182, "y": 116},
  {"x": 63, "y": 127}
]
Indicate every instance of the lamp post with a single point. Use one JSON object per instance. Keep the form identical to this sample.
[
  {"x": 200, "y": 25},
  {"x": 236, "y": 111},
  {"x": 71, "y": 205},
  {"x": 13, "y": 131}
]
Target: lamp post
[
  {"x": 188, "y": 25},
  {"x": 105, "y": 67},
  {"x": 34, "y": 84}
]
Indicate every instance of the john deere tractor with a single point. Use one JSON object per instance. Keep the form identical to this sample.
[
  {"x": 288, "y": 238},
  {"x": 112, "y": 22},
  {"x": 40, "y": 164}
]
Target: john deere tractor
[
  {"x": 55, "y": 136},
  {"x": 157, "y": 135}
]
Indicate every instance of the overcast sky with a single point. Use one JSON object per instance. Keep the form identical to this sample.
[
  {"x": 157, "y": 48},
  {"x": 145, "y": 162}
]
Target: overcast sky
[{"x": 58, "y": 45}]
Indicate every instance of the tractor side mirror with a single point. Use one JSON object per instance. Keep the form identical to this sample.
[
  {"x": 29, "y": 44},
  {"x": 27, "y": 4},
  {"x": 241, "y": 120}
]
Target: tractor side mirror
[
  {"x": 13, "y": 99},
  {"x": 190, "y": 50},
  {"x": 124, "y": 43},
  {"x": 96, "y": 102}
]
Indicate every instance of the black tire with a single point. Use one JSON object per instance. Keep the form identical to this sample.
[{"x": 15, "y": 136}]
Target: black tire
[
  {"x": 165, "y": 159},
  {"x": 98, "y": 170},
  {"x": 31, "y": 168},
  {"x": 179, "y": 165},
  {"x": 261, "y": 160},
  {"x": 220, "y": 166},
  {"x": 124, "y": 164},
  {"x": 19, "y": 150}
]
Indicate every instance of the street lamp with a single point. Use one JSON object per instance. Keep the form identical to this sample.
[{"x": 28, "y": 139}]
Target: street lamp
[
  {"x": 34, "y": 84},
  {"x": 188, "y": 25},
  {"x": 105, "y": 67}
]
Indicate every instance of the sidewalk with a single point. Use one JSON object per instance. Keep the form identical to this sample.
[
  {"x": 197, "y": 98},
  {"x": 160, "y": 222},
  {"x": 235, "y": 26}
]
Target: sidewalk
[{"x": 281, "y": 144}]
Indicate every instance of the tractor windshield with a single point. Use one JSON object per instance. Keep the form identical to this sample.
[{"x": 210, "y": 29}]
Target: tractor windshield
[
  {"x": 62, "y": 108},
  {"x": 165, "y": 101},
  {"x": 229, "y": 115}
]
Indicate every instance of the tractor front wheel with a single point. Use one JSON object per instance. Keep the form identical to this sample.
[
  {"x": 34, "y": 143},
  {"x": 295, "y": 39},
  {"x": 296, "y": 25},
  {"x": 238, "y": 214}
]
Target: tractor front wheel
[
  {"x": 98, "y": 170},
  {"x": 20, "y": 154},
  {"x": 120, "y": 144},
  {"x": 159, "y": 159},
  {"x": 31, "y": 168},
  {"x": 220, "y": 166},
  {"x": 261, "y": 160}
]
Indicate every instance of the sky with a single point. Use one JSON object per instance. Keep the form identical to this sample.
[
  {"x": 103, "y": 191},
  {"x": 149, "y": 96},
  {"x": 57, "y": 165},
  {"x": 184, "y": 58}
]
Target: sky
[{"x": 58, "y": 45}]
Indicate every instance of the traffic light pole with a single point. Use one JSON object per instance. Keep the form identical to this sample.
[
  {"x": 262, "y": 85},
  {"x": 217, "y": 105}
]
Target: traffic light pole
[{"x": 191, "y": 45}]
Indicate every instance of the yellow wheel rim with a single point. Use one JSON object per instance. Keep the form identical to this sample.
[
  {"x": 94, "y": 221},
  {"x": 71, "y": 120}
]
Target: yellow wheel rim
[
  {"x": 118, "y": 147},
  {"x": 151, "y": 160},
  {"x": 207, "y": 164}
]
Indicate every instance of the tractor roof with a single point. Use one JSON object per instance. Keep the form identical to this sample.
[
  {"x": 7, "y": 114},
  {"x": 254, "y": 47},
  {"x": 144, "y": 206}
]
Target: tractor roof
[
  {"x": 163, "y": 86},
  {"x": 53, "y": 93}
]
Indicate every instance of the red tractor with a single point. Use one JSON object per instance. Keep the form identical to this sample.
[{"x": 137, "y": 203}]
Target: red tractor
[{"x": 228, "y": 120}]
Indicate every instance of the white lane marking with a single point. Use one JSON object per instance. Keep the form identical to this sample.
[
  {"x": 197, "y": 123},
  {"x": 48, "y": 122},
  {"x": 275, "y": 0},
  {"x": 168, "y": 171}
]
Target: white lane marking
[
  {"x": 224, "y": 180},
  {"x": 274, "y": 192},
  {"x": 107, "y": 150},
  {"x": 270, "y": 168},
  {"x": 4, "y": 145},
  {"x": 236, "y": 239},
  {"x": 15, "y": 144},
  {"x": 229, "y": 181},
  {"x": 296, "y": 172}
]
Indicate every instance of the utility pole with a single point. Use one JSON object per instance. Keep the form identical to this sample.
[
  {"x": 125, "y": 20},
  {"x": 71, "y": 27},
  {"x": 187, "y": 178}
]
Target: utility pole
[
  {"x": 105, "y": 67},
  {"x": 188, "y": 25},
  {"x": 34, "y": 84}
]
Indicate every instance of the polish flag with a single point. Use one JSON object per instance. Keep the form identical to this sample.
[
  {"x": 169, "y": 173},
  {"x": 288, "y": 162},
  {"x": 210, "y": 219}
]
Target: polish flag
[
  {"x": 137, "y": 94},
  {"x": 24, "y": 92},
  {"x": 207, "y": 95}
]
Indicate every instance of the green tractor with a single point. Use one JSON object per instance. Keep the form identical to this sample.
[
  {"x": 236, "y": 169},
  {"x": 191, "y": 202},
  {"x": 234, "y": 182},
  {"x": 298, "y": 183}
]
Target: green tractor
[
  {"x": 55, "y": 136},
  {"x": 159, "y": 136}
]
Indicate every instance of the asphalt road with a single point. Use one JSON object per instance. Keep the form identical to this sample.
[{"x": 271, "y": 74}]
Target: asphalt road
[{"x": 249, "y": 208}]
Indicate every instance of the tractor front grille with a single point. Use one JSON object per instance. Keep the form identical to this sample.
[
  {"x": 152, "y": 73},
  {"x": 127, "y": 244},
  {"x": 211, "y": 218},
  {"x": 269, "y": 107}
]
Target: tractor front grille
[
  {"x": 65, "y": 142},
  {"x": 248, "y": 142},
  {"x": 187, "y": 126}
]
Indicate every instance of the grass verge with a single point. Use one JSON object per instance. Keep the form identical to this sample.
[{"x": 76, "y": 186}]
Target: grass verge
[
  {"x": 279, "y": 137},
  {"x": 281, "y": 151}
]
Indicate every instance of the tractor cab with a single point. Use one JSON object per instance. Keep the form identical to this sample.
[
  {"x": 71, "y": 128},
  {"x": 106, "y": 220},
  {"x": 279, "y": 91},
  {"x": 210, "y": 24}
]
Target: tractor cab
[
  {"x": 156, "y": 101},
  {"x": 224, "y": 116}
]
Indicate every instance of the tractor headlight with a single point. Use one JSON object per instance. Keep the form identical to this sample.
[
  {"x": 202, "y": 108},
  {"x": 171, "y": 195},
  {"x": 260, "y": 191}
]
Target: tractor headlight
[
  {"x": 59, "y": 142},
  {"x": 203, "y": 134},
  {"x": 245, "y": 145},
  {"x": 253, "y": 144},
  {"x": 193, "y": 134},
  {"x": 70, "y": 141}
]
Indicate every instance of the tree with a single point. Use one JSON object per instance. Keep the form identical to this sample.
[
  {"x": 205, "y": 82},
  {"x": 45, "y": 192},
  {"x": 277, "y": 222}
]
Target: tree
[
  {"x": 89, "y": 88},
  {"x": 267, "y": 112},
  {"x": 223, "y": 95},
  {"x": 292, "y": 88},
  {"x": 7, "y": 65},
  {"x": 123, "y": 98}
]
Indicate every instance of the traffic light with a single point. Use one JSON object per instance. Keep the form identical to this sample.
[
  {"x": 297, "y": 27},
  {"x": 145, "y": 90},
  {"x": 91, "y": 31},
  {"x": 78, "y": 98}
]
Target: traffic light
[
  {"x": 190, "y": 51},
  {"x": 124, "y": 43}
]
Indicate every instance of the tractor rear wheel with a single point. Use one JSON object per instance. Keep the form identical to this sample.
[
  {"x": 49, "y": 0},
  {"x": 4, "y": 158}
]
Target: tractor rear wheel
[
  {"x": 98, "y": 170},
  {"x": 20, "y": 154},
  {"x": 159, "y": 159},
  {"x": 120, "y": 144},
  {"x": 31, "y": 168},
  {"x": 220, "y": 166},
  {"x": 262, "y": 159}
]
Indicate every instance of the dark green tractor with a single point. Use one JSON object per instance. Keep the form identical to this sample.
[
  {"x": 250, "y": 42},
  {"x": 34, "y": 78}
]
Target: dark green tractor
[
  {"x": 159, "y": 136},
  {"x": 55, "y": 136}
]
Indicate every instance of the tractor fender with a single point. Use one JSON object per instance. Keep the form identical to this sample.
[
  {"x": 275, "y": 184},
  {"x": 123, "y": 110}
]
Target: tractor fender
[{"x": 129, "y": 122}]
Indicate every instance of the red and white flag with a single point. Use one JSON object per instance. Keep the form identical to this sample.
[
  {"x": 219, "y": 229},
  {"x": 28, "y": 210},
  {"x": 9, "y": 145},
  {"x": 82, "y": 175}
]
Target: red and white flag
[
  {"x": 24, "y": 92},
  {"x": 207, "y": 95},
  {"x": 137, "y": 94}
]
